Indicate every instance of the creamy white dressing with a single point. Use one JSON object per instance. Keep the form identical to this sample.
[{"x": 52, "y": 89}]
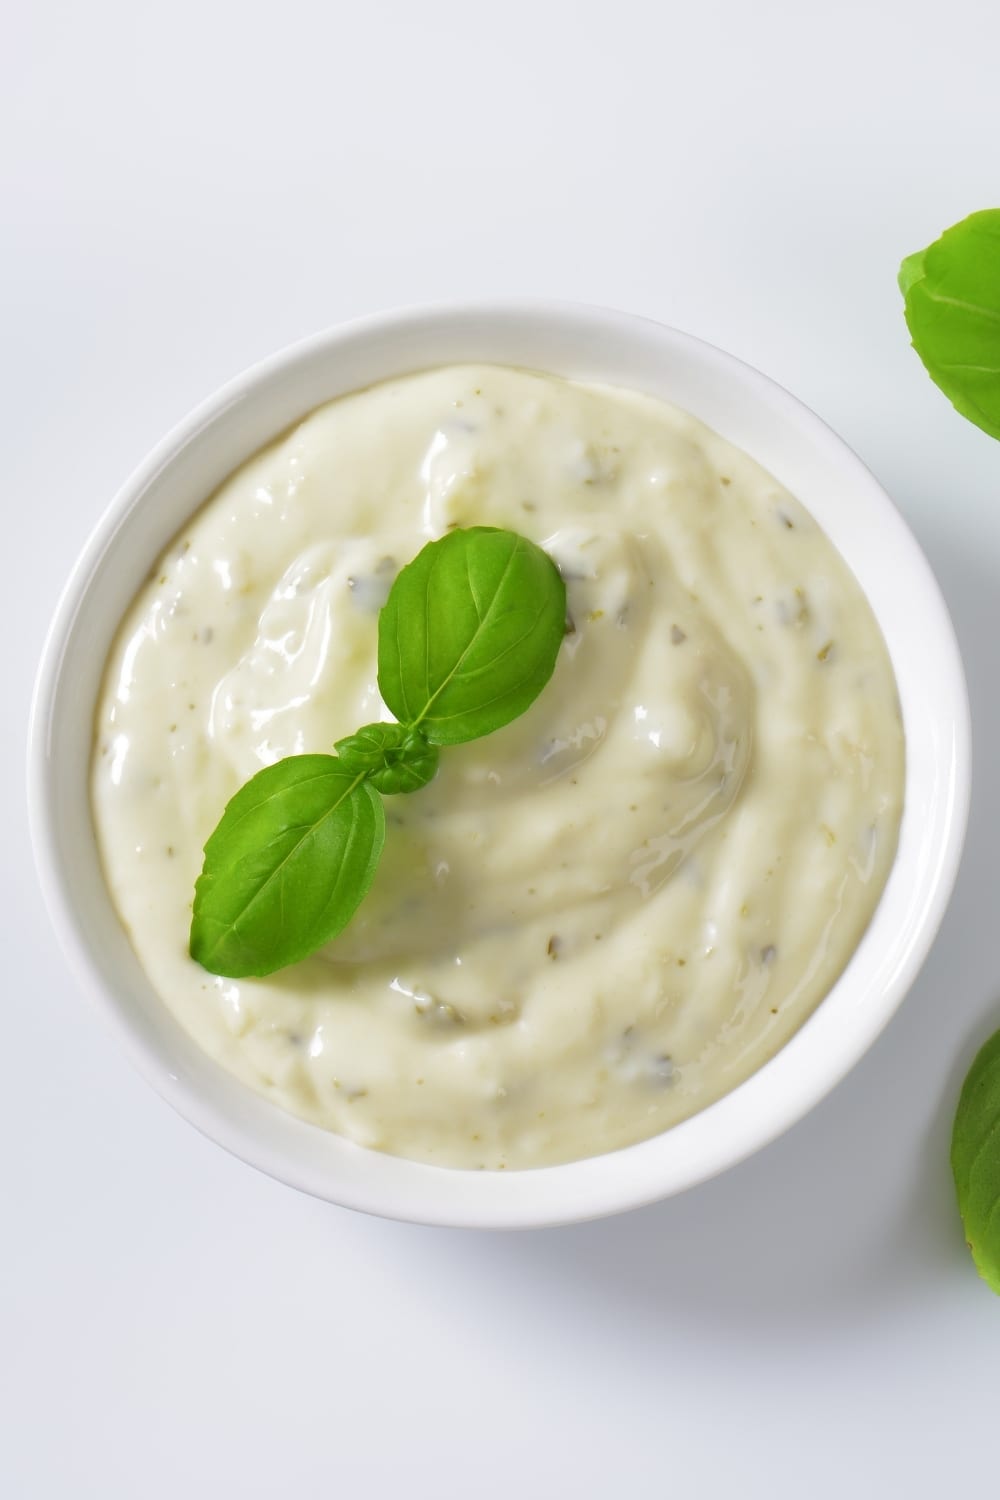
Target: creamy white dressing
[{"x": 592, "y": 923}]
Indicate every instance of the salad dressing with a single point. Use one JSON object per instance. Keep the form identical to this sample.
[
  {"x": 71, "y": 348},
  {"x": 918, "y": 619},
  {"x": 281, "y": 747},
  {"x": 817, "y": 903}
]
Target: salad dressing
[{"x": 593, "y": 922}]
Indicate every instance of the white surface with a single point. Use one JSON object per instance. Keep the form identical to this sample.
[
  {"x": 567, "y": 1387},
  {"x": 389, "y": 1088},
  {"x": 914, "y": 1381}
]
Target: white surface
[
  {"x": 185, "y": 188},
  {"x": 747, "y": 408}
]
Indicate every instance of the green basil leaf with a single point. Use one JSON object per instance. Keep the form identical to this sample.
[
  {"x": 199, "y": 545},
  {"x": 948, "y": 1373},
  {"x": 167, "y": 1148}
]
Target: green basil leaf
[
  {"x": 952, "y": 300},
  {"x": 290, "y": 861},
  {"x": 975, "y": 1160},
  {"x": 393, "y": 757},
  {"x": 470, "y": 633}
]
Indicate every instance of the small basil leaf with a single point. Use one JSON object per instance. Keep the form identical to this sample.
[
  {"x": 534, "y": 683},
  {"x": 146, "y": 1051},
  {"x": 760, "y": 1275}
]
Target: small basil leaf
[
  {"x": 952, "y": 302},
  {"x": 470, "y": 633},
  {"x": 975, "y": 1160},
  {"x": 294, "y": 853},
  {"x": 392, "y": 756}
]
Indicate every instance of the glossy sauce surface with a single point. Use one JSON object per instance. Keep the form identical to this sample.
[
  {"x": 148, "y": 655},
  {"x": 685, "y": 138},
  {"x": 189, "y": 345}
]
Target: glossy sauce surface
[{"x": 592, "y": 923}]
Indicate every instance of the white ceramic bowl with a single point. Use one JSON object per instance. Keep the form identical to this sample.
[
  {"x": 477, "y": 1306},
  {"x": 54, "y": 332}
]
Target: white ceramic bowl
[{"x": 590, "y": 344}]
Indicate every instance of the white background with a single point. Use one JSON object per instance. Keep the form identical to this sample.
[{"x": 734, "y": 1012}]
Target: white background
[{"x": 184, "y": 188}]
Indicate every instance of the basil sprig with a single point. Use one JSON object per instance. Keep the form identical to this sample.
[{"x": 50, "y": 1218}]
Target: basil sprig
[
  {"x": 952, "y": 296},
  {"x": 466, "y": 641}
]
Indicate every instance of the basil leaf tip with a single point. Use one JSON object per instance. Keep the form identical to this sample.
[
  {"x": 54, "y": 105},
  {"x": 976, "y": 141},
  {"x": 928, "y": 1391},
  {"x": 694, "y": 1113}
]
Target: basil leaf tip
[
  {"x": 951, "y": 294},
  {"x": 467, "y": 639},
  {"x": 975, "y": 1160}
]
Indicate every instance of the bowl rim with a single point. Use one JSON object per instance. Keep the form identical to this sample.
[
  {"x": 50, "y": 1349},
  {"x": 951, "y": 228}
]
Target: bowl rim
[{"x": 595, "y": 1186}]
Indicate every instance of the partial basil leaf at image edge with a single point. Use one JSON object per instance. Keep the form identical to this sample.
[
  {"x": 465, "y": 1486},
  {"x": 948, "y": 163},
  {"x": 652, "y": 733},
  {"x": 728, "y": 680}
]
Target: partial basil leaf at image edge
[
  {"x": 470, "y": 633},
  {"x": 951, "y": 292},
  {"x": 393, "y": 757},
  {"x": 975, "y": 1160},
  {"x": 911, "y": 270},
  {"x": 290, "y": 861}
]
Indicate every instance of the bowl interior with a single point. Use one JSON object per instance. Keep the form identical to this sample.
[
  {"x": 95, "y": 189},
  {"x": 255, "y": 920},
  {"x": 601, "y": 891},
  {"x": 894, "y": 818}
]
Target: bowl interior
[{"x": 586, "y": 344}]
